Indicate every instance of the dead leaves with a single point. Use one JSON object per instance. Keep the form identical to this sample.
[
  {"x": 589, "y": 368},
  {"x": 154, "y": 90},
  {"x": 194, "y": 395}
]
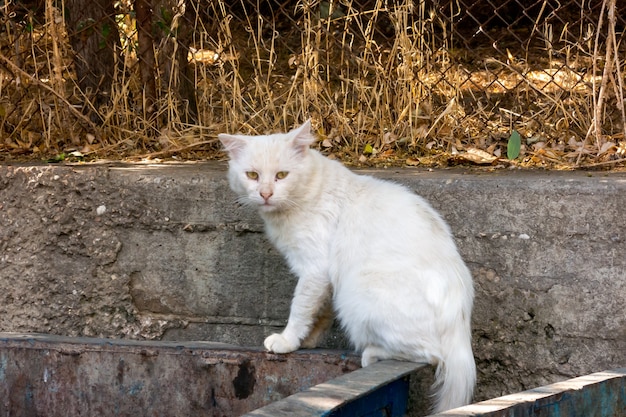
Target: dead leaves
[
  {"x": 516, "y": 150},
  {"x": 576, "y": 152}
]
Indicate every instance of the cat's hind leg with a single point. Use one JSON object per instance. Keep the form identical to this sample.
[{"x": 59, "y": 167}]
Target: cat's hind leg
[{"x": 373, "y": 353}]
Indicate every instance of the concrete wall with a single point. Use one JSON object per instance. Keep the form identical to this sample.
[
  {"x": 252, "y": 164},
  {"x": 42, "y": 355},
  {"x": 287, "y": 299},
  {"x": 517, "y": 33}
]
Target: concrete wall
[{"x": 162, "y": 252}]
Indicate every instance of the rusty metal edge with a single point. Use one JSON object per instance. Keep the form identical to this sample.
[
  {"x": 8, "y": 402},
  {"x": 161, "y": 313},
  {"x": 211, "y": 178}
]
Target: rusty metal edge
[
  {"x": 75, "y": 345},
  {"x": 66, "y": 344}
]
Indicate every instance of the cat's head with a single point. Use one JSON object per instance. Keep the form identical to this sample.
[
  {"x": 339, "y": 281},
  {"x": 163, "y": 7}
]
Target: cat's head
[{"x": 266, "y": 171}]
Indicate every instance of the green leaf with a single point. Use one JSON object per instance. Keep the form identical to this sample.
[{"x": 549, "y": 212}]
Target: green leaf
[
  {"x": 368, "y": 149},
  {"x": 514, "y": 145},
  {"x": 57, "y": 158},
  {"x": 166, "y": 15}
]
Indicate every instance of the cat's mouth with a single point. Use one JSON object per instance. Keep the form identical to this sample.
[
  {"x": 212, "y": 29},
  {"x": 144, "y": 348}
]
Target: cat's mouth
[{"x": 267, "y": 206}]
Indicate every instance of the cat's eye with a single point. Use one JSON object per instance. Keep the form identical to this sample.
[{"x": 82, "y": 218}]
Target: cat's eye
[
  {"x": 252, "y": 175},
  {"x": 281, "y": 175}
]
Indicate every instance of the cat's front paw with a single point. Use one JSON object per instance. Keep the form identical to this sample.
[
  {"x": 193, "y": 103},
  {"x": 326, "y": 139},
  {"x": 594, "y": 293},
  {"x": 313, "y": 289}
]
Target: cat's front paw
[{"x": 277, "y": 343}]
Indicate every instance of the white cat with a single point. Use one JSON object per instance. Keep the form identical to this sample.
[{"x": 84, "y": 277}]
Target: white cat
[{"x": 398, "y": 284}]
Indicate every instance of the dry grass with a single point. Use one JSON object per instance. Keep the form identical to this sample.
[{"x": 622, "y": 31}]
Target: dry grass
[{"x": 386, "y": 85}]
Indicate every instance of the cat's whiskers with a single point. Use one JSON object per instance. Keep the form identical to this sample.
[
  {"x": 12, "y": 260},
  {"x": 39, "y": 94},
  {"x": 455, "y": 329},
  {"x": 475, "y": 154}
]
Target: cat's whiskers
[
  {"x": 280, "y": 203},
  {"x": 288, "y": 203},
  {"x": 245, "y": 201}
]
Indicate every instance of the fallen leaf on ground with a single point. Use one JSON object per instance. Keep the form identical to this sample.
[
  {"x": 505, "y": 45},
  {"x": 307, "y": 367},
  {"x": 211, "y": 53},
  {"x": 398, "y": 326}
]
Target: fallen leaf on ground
[{"x": 477, "y": 156}]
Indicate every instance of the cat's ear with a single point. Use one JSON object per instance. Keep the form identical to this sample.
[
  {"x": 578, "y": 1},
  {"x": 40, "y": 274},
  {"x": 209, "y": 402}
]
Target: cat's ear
[
  {"x": 302, "y": 137},
  {"x": 233, "y": 144}
]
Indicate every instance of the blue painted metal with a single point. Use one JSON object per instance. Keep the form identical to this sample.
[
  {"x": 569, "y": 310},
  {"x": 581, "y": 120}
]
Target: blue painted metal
[
  {"x": 602, "y": 394},
  {"x": 379, "y": 390},
  {"x": 387, "y": 401}
]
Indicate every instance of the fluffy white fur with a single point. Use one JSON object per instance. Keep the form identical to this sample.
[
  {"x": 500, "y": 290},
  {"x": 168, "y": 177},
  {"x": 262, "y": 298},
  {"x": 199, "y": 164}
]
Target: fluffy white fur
[{"x": 398, "y": 284}]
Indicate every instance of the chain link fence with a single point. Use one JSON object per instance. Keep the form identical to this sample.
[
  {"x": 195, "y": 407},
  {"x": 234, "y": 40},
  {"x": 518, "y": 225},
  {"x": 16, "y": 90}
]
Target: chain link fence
[{"x": 380, "y": 79}]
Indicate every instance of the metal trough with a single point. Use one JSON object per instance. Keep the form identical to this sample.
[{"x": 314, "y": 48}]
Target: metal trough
[{"x": 43, "y": 375}]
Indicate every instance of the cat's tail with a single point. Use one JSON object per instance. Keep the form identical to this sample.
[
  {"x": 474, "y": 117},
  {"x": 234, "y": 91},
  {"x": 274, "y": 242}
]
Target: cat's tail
[{"x": 455, "y": 376}]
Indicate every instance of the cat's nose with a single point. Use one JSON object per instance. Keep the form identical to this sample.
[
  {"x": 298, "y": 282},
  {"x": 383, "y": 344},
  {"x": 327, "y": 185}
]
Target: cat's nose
[{"x": 266, "y": 195}]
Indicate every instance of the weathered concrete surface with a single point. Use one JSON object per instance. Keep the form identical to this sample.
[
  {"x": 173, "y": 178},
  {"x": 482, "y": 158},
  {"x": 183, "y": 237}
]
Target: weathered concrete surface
[{"x": 162, "y": 252}]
